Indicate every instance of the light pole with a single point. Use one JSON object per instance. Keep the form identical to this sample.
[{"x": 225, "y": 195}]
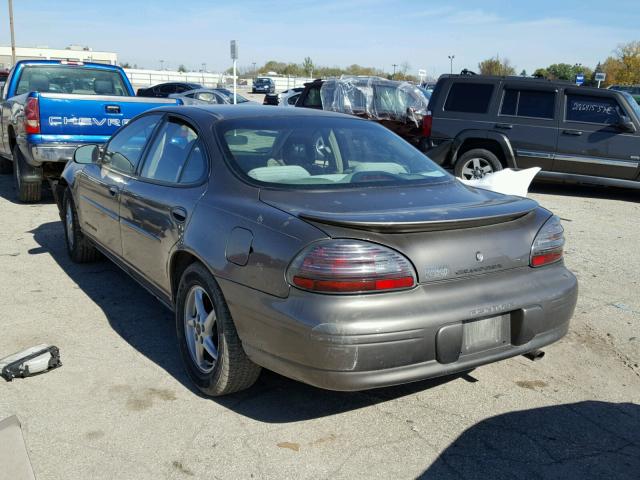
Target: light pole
[
  {"x": 394, "y": 65},
  {"x": 451, "y": 57},
  {"x": 13, "y": 37},
  {"x": 254, "y": 69},
  {"x": 161, "y": 64}
]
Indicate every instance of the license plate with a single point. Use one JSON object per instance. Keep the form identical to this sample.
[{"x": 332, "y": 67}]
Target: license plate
[{"x": 484, "y": 334}]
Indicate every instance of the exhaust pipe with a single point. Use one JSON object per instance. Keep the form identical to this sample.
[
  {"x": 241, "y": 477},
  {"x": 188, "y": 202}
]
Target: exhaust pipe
[{"x": 534, "y": 355}]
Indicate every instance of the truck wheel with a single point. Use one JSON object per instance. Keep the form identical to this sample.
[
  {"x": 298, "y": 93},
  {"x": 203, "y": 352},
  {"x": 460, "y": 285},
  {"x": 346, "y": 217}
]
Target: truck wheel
[
  {"x": 209, "y": 344},
  {"x": 476, "y": 163},
  {"x": 6, "y": 166},
  {"x": 79, "y": 247},
  {"x": 28, "y": 188}
]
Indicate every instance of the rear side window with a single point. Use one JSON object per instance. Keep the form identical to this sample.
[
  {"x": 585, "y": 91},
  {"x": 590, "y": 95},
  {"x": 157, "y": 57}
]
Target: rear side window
[
  {"x": 585, "y": 108},
  {"x": 168, "y": 155},
  {"x": 528, "y": 103},
  {"x": 469, "y": 97}
]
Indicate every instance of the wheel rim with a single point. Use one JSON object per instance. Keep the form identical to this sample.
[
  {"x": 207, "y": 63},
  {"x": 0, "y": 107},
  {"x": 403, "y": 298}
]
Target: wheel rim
[
  {"x": 201, "y": 329},
  {"x": 68, "y": 217},
  {"x": 476, "y": 168}
]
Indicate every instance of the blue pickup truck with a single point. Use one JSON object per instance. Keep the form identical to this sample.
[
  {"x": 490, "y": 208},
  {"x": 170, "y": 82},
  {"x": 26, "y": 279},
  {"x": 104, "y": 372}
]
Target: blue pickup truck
[{"x": 50, "y": 107}]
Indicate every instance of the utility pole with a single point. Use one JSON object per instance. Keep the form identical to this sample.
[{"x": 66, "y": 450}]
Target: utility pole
[
  {"x": 13, "y": 36},
  {"x": 254, "y": 69},
  {"x": 234, "y": 57},
  {"x": 394, "y": 65},
  {"x": 161, "y": 64},
  {"x": 451, "y": 57}
]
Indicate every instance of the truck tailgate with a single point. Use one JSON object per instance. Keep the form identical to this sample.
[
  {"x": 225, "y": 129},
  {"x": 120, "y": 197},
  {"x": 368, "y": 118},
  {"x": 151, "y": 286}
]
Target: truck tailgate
[{"x": 90, "y": 115}]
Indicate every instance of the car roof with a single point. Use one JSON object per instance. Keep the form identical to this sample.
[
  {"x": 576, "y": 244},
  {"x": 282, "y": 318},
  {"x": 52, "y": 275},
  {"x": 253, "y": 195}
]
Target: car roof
[{"x": 232, "y": 112}]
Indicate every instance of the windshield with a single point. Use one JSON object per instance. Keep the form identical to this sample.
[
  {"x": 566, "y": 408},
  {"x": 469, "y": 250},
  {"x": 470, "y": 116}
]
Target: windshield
[
  {"x": 307, "y": 152},
  {"x": 262, "y": 81},
  {"x": 633, "y": 102},
  {"x": 71, "y": 79}
]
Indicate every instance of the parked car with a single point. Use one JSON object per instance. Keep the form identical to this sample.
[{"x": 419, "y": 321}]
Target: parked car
[
  {"x": 288, "y": 98},
  {"x": 479, "y": 124},
  {"x": 163, "y": 90},
  {"x": 634, "y": 90},
  {"x": 263, "y": 85},
  {"x": 209, "y": 96},
  {"x": 49, "y": 107},
  {"x": 399, "y": 106},
  {"x": 315, "y": 244}
]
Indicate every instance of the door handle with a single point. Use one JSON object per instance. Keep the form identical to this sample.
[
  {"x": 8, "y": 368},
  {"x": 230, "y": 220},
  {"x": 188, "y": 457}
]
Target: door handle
[
  {"x": 504, "y": 126},
  {"x": 112, "y": 108},
  {"x": 179, "y": 214},
  {"x": 113, "y": 191},
  {"x": 576, "y": 133}
]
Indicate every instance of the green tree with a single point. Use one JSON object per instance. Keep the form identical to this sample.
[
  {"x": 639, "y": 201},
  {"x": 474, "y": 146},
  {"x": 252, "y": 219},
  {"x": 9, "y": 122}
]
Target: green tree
[
  {"x": 523, "y": 73},
  {"x": 182, "y": 68},
  {"x": 308, "y": 66},
  {"x": 496, "y": 66},
  {"x": 125, "y": 65},
  {"x": 541, "y": 73}
]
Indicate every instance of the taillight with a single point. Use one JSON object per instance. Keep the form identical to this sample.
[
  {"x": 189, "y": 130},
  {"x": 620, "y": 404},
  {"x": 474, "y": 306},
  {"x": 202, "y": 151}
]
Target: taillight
[
  {"x": 427, "y": 123},
  {"x": 548, "y": 245},
  {"x": 350, "y": 266},
  {"x": 32, "y": 116}
]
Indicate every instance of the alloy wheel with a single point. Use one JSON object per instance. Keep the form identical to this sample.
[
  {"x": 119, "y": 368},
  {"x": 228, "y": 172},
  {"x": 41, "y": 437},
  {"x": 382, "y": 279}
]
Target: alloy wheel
[
  {"x": 475, "y": 168},
  {"x": 200, "y": 329}
]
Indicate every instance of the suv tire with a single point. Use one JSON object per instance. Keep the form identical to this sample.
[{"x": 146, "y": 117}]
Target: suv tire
[
  {"x": 79, "y": 247},
  {"x": 29, "y": 190},
  {"x": 476, "y": 163},
  {"x": 207, "y": 338}
]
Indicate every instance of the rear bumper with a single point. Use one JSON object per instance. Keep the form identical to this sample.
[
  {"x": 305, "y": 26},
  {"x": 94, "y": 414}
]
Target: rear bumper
[
  {"x": 39, "y": 149},
  {"x": 368, "y": 341}
]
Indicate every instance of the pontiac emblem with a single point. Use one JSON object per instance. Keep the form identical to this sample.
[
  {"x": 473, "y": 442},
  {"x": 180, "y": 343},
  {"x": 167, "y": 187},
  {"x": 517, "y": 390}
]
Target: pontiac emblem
[{"x": 479, "y": 256}]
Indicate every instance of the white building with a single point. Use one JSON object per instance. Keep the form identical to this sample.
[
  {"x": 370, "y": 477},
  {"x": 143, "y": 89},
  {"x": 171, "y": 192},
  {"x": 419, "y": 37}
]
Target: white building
[{"x": 72, "y": 52}]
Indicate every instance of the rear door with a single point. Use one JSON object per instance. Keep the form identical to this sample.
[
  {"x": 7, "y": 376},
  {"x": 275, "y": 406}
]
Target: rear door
[
  {"x": 99, "y": 186},
  {"x": 590, "y": 142},
  {"x": 156, "y": 206},
  {"x": 528, "y": 116}
]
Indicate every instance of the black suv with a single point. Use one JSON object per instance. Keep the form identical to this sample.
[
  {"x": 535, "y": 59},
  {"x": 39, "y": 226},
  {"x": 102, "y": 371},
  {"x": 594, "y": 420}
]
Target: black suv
[{"x": 479, "y": 124}]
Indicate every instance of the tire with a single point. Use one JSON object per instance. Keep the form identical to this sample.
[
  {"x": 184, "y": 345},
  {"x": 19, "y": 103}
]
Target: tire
[
  {"x": 6, "y": 166},
  {"x": 476, "y": 163},
  {"x": 79, "y": 247},
  {"x": 28, "y": 191},
  {"x": 204, "y": 325}
]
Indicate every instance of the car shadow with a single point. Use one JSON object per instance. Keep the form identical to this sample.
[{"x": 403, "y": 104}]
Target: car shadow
[
  {"x": 586, "y": 191},
  {"x": 585, "y": 440},
  {"x": 145, "y": 324}
]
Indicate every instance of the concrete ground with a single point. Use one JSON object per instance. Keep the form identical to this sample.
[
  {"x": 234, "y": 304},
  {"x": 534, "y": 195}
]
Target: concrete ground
[{"x": 122, "y": 407}]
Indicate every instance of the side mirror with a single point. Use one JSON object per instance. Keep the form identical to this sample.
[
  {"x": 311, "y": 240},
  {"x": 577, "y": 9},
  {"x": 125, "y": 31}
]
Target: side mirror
[
  {"x": 86, "y": 154},
  {"x": 626, "y": 125}
]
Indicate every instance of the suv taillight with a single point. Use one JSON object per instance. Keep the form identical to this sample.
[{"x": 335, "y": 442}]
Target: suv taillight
[
  {"x": 32, "y": 116},
  {"x": 427, "y": 123},
  {"x": 350, "y": 266},
  {"x": 548, "y": 245}
]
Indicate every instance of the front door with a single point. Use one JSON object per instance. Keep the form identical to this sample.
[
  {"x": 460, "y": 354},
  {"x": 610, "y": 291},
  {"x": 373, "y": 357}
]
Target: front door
[
  {"x": 99, "y": 186},
  {"x": 590, "y": 141},
  {"x": 156, "y": 206}
]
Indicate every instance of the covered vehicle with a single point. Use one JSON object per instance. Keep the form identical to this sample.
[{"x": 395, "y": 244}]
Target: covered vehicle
[
  {"x": 399, "y": 106},
  {"x": 315, "y": 244}
]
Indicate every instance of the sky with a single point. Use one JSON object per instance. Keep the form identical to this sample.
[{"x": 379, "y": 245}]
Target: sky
[{"x": 375, "y": 33}]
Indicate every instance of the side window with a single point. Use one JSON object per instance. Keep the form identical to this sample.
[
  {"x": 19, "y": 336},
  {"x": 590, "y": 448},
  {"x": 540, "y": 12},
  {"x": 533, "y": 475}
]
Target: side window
[
  {"x": 169, "y": 152},
  {"x": 313, "y": 98},
  {"x": 293, "y": 99},
  {"x": 167, "y": 89},
  {"x": 584, "y": 108},
  {"x": 528, "y": 103},
  {"x": 196, "y": 165},
  {"x": 124, "y": 150},
  {"x": 469, "y": 97},
  {"x": 182, "y": 88}
]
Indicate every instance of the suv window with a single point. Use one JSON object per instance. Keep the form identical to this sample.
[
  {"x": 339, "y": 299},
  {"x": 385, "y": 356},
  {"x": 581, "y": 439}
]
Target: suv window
[
  {"x": 469, "y": 97},
  {"x": 592, "y": 109},
  {"x": 124, "y": 150},
  {"x": 170, "y": 151},
  {"x": 313, "y": 98},
  {"x": 528, "y": 103}
]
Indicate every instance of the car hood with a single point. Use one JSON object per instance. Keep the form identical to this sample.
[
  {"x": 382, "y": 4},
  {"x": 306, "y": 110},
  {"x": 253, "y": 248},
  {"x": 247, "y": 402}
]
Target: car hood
[{"x": 443, "y": 206}]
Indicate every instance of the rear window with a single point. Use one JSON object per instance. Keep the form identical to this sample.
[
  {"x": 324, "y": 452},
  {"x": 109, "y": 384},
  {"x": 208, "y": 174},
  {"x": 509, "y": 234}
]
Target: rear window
[
  {"x": 312, "y": 152},
  {"x": 71, "y": 79},
  {"x": 469, "y": 97},
  {"x": 528, "y": 103}
]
